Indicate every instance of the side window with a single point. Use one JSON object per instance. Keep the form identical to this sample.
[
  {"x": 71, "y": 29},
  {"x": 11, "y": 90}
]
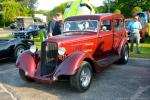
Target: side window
[
  {"x": 106, "y": 25},
  {"x": 117, "y": 24}
]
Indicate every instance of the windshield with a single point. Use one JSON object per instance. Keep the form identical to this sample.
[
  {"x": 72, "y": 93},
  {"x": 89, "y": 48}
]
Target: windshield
[
  {"x": 81, "y": 25},
  {"x": 31, "y": 27}
]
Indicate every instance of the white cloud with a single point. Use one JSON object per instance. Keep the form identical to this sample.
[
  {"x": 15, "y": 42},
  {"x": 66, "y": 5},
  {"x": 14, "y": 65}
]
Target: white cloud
[{"x": 50, "y": 4}]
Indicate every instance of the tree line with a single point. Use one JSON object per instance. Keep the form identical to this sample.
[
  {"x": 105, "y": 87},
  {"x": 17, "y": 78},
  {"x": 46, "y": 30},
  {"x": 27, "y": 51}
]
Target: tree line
[
  {"x": 126, "y": 7},
  {"x": 13, "y": 8}
]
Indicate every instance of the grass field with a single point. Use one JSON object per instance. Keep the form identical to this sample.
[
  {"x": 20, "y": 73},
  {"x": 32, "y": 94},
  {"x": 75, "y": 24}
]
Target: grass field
[
  {"x": 5, "y": 36},
  {"x": 145, "y": 50}
]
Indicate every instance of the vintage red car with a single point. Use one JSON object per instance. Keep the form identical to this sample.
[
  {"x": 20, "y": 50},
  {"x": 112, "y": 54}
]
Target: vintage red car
[{"x": 88, "y": 45}]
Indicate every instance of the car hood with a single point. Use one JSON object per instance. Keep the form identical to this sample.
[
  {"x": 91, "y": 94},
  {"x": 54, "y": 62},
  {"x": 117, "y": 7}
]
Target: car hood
[
  {"x": 72, "y": 36},
  {"x": 23, "y": 31}
]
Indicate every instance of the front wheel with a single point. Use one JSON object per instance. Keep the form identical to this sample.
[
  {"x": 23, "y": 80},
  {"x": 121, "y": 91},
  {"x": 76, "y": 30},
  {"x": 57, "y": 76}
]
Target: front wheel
[
  {"x": 124, "y": 55},
  {"x": 82, "y": 79},
  {"x": 24, "y": 77}
]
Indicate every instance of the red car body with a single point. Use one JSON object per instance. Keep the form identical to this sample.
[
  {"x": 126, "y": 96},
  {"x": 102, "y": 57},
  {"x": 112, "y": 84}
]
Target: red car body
[{"x": 98, "y": 48}]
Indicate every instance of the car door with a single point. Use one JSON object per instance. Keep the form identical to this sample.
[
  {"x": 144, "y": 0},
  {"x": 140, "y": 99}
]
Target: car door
[
  {"x": 105, "y": 38},
  {"x": 118, "y": 29}
]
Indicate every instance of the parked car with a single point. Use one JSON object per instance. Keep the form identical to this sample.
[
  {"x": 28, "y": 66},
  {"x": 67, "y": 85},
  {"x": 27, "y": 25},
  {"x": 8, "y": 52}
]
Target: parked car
[
  {"x": 13, "y": 25},
  {"x": 12, "y": 48},
  {"x": 24, "y": 21},
  {"x": 89, "y": 44},
  {"x": 30, "y": 31}
]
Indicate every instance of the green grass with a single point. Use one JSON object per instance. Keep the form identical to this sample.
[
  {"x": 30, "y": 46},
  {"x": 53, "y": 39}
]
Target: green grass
[
  {"x": 145, "y": 50},
  {"x": 5, "y": 36}
]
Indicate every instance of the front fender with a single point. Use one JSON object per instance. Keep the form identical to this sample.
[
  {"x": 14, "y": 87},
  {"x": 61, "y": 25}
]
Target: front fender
[
  {"x": 70, "y": 65},
  {"x": 27, "y": 63}
]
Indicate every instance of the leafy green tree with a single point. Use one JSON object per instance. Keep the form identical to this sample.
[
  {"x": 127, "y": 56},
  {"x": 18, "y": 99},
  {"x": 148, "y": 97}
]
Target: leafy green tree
[
  {"x": 30, "y": 4},
  {"x": 117, "y": 11},
  {"x": 12, "y": 9},
  {"x": 136, "y": 9},
  {"x": 60, "y": 8},
  {"x": 125, "y": 6},
  {"x": 101, "y": 9},
  {"x": 44, "y": 12}
]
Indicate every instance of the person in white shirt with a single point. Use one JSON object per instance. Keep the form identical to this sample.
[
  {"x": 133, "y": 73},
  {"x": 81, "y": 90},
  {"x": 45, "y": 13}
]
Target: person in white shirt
[{"x": 135, "y": 28}]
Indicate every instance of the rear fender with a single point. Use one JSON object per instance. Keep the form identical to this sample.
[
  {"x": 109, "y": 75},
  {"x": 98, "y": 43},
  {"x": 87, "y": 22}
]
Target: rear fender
[
  {"x": 121, "y": 44},
  {"x": 27, "y": 63},
  {"x": 70, "y": 65}
]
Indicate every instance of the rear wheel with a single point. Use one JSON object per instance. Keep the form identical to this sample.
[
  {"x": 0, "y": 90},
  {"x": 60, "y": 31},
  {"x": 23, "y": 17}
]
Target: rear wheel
[
  {"x": 24, "y": 77},
  {"x": 124, "y": 55},
  {"x": 82, "y": 79}
]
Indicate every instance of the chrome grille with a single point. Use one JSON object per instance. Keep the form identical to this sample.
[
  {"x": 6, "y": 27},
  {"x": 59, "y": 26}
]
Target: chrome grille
[{"x": 49, "y": 51}]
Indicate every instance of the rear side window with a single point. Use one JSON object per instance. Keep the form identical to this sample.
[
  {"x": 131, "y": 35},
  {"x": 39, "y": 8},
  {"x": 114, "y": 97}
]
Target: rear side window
[{"x": 117, "y": 24}]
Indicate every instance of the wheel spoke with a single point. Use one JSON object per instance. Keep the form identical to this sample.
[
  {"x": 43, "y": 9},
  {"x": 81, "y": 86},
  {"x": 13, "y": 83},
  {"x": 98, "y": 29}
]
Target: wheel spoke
[
  {"x": 20, "y": 51},
  {"x": 85, "y": 77}
]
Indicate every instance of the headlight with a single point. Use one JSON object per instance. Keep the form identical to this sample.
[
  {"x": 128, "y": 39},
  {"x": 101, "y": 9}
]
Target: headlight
[
  {"x": 12, "y": 33},
  {"x": 61, "y": 51},
  {"x": 33, "y": 48}
]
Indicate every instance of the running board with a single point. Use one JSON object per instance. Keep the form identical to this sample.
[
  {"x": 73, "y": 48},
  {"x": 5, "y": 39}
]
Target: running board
[{"x": 108, "y": 60}]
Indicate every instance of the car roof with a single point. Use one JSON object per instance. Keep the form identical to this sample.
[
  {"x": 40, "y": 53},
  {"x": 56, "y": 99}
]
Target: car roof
[{"x": 93, "y": 16}]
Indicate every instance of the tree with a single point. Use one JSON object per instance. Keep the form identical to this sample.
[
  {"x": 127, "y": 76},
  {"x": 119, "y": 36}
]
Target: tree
[
  {"x": 60, "y": 8},
  {"x": 135, "y": 10},
  {"x": 44, "y": 12},
  {"x": 117, "y": 11},
  {"x": 125, "y": 6},
  {"x": 12, "y": 9},
  {"x": 30, "y": 4}
]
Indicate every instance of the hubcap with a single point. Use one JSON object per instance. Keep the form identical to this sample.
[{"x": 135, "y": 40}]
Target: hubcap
[
  {"x": 85, "y": 77},
  {"x": 126, "y": 55},
  {"x": 20, "y": 51}
]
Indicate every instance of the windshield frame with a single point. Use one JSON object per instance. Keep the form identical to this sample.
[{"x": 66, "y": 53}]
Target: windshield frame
[
  {"x": 87, "y": 20},
  {"x": 33, "y": 27}
]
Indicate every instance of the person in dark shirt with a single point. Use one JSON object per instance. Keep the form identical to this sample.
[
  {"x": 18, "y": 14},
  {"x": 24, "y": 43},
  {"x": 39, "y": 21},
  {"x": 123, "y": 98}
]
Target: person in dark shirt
[{"x": 54, "y": 27}]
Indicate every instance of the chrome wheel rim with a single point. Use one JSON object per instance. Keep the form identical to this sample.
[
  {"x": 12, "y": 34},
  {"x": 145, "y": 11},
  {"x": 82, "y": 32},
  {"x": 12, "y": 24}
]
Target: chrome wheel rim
[
  {"x": 126, "y": 55},
  {"x": 20, "y": 51},
  {"x": 85, "y": 77}
]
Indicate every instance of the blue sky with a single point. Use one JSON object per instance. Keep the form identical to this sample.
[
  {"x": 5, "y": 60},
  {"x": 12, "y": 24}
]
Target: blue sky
[{"x": 50, "y": 4}]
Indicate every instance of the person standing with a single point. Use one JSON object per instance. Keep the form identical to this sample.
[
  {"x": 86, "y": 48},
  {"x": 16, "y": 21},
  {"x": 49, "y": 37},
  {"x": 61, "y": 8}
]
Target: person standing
[
  {"x": 54, "y": 27},
  {"x": 135, "y": 28}
]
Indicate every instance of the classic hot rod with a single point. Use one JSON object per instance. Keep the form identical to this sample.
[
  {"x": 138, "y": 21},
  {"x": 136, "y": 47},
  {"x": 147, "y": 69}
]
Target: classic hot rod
[{"x": 88, "y": 44}]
